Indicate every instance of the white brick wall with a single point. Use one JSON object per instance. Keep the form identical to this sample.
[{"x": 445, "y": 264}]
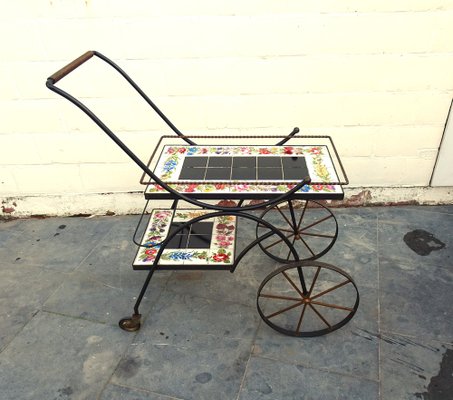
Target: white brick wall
[{"x": 375, "y": 75}]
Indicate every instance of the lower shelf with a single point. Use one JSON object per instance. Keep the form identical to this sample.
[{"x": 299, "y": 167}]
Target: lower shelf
[{"x": 208, "y": 244}]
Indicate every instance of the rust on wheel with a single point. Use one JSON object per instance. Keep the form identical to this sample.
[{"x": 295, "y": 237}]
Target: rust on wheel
[
  {"x": 311, "y": 228},
  {"x": 307, "y": 298}
]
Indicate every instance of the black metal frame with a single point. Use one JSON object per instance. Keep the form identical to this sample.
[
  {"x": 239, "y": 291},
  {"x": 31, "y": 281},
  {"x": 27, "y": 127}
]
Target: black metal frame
[{"x": 238, "y": 211}]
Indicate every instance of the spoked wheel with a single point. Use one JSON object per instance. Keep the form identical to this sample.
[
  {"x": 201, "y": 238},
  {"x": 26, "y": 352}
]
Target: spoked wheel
[
  {"x": 312, "y": 229},
  {"x": 131, "y": 324},
  {"x": 307, "y": 298}
]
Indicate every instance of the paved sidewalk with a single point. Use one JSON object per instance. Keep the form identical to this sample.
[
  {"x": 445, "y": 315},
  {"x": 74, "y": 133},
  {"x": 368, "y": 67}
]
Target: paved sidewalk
[{"x": 65, "y": 283}]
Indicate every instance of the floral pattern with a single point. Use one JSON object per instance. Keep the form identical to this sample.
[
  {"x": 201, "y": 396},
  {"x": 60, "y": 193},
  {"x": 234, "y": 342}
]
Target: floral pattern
[
  {"x": 223, "y": 239},
  {"x": 318, "y": 161},
  {"x": 220, "y": 252},
  {"x": 159, "y": 223}
]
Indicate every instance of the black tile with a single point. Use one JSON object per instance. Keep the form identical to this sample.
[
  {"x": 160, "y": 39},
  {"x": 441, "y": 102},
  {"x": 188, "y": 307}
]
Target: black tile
[
  {"x": 220, "y": 161},
  {"x": 270, "y": 173},
  {"x": 175, "y": 225},
  {"x": 243, "y": 174},
  {"x": 244, "y": 162},
  {"x": 177, "y": 242},
  {"x": 199, "y": 242},
  {"x": 294, "y": 174},
  {"x": 213, "y": 174},
  {"x": 274, "y": 162},
  {"x": 199, "y": 228},
  {"x": 192, "y": 174},
  {"x": 294, "y": 162},
  {"x": 195, "y": 162}
]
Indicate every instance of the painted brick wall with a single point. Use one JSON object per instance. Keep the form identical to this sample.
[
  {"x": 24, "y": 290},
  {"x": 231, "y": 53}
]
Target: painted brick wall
[{"x": 377, "y": 76}]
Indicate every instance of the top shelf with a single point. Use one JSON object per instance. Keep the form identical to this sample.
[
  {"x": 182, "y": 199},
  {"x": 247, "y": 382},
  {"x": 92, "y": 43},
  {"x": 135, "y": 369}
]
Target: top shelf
[{"x": 246, "y": 169}]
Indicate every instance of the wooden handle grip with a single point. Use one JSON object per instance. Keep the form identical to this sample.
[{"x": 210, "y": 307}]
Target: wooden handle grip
[{"x": 71, "y": 66}]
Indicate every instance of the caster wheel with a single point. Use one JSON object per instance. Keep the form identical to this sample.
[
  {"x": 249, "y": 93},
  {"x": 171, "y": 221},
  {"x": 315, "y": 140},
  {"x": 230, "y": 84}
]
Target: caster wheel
[
  {"x": 312, "y": 229},
  {"x": 307, "y": 299},
  {"x": 131, "y": 324}
]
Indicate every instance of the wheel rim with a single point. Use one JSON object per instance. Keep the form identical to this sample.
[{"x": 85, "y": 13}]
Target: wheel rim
[
  {"x": 312, "y": 229},
  {"x": 307, "y": 299}
]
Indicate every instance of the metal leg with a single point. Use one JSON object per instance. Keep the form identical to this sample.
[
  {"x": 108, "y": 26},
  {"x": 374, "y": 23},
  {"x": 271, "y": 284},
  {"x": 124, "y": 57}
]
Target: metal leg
[{"x": 132, "y": 324}]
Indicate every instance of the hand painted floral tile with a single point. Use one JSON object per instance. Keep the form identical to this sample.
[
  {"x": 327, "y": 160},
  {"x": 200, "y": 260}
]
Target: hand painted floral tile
[
  {"x": 156, "y": 232},
  {"x": 245, "y": 188},
  {"x": 220, "y": 251},
  {"x": 319, "y": 165},
  {"x": 318, "y": 159},
  {"x": 223, "y": 240}
]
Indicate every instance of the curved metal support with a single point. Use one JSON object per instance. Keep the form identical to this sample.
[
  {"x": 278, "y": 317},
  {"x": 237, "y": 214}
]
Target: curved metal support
[
  {"x": 154, "y": 267},
  {"x": 51, "y": 85}
]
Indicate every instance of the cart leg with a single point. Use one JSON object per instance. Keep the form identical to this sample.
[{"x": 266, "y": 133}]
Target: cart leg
[{"x": 132, "y": 324}]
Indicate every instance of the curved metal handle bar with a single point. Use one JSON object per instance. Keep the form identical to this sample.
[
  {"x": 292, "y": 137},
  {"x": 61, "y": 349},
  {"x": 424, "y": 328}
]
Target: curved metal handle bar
[
  {"x": 79, "y": 61},
  {"x": 201, "y": 218},
  {"x": 144, "y": 167},
  {"x": 138, "y": 225},
  {"x": 283, "y": 141}
]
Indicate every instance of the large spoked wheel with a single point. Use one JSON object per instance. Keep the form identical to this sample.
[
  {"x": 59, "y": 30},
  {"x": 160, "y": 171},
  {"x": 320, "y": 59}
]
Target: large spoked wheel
[
  {"x": 307, "y": 298},
  {"x": 311, "y": 228}
]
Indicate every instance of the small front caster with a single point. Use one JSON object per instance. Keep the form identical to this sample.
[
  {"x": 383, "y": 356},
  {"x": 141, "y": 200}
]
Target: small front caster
[{"x": 131, "y": 324}]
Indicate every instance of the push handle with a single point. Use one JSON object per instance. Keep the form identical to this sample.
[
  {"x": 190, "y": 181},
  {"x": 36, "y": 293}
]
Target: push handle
[
  {"x": 70, "y": 67},
  {"x": 283, "y": 141}
]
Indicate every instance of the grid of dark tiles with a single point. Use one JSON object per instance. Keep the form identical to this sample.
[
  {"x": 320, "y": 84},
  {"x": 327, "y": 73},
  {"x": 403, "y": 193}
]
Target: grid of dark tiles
[
  {"x": 195, "y": 236},
  {"x": 243, "y": 168}
]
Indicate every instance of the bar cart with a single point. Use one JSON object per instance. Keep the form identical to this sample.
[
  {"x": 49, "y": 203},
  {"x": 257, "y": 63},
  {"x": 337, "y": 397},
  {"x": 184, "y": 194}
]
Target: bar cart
[{"x": 276, "y": 184}]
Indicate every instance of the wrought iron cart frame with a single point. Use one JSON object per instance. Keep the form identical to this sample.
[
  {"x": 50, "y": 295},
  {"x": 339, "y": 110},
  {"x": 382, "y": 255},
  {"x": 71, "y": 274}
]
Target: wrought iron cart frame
[{"x": 308, "y": 282}]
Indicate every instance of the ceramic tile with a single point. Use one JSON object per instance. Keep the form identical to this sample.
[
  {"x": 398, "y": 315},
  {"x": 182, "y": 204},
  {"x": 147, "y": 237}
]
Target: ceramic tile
[{"x": 219, "y": 232}]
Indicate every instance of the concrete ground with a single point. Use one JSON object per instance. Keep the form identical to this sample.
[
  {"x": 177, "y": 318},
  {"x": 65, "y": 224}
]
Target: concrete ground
[{"x": 65, "y": 283}]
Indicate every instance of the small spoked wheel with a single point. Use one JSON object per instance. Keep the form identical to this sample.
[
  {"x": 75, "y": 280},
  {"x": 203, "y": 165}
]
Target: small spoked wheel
[
  {"x": 307, "y": 298},
  {"x": 130, "y": 324},
  {"x": 311, "y": 228}
]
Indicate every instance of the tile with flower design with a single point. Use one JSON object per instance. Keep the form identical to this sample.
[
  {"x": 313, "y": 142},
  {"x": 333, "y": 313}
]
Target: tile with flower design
[
  {"x": 207, "y": 242},
  {"x": 237, "y": 170}
]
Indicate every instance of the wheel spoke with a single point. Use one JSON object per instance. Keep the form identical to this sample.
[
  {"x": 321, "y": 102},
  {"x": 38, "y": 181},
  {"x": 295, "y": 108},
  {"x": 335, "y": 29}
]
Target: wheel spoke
[
  {"x": 316, "y": 223},
  {"x": 299, "y": 324},
  {"x": 289, "y": 250},
  {"x": 261, "y": 226},
  {"x": 285, "y": 309},
  {"x": 273, "y": 296},
  {"x": 277, "y": 242},
  {"x": 286, "y": 230},
  {"x": 331, "y": 289},
  {"x": 302, "y": 215},
  {"x": 284, "y": 216},
  {"x": 292, "y": 283},
  {"x": 319, "y": 315},
  {"x": 318, "y": 303},
  {"x": 307, "y": 246},
  {"x": 318, "y": 235},
  {"x": 315, "y": 278}
]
